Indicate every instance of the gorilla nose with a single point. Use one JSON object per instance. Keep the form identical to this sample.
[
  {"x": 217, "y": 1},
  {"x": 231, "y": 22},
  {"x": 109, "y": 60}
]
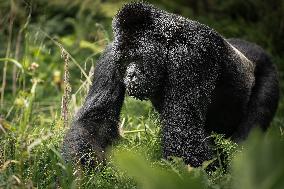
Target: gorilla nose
[
  {"x": 131, "y": 71},
  {"x": 131, "y": 75}
]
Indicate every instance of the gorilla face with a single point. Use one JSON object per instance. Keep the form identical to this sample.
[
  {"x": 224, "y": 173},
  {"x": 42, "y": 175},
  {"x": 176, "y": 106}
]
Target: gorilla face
[
  {"x": 145, "y": 65},
  {"x": 142, "y": 47},
  {"x": 140, "y": 81}
]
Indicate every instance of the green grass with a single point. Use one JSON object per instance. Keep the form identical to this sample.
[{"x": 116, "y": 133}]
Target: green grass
[{"x": 30, "y": 156}]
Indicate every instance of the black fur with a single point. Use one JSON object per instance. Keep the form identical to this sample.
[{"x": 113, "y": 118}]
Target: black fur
[
  {"x": 198, "y": 81},
  {"x": 96, "y": 124}
]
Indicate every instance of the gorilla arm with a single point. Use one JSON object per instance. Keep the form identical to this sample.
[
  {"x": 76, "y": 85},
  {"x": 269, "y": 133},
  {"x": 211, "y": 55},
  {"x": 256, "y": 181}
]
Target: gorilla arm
[
  {"x": 183, "y": 112},
  {"x": 95, "y": 126},
  {"x": 183, "y": 129}
]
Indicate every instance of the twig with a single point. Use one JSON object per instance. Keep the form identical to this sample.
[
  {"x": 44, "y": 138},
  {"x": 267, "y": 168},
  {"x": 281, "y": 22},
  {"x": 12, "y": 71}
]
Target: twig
[
  {"x": 67, "y": 88},
  {"x": 70, "y": 56},
  {"x": 7, "y": 55},
  {"x": 134, "y": 131},
  {"x": 17, "y": 51}
]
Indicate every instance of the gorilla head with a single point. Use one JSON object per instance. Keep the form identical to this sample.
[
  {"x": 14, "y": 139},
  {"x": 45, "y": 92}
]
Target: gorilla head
[{"x": 142, "y": 48}]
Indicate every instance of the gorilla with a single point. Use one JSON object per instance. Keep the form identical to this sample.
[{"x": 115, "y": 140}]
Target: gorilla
[{"x": 198, "y": 81}]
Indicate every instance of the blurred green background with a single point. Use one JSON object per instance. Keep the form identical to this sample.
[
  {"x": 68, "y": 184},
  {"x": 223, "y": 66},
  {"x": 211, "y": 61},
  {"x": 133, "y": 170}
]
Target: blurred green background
[{"x": 48, "y": 49}]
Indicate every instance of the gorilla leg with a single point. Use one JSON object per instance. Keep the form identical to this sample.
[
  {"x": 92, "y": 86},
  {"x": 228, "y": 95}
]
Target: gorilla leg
[
  {"x": 95, "y": 126},
  {"x": 265, "y": 93},
  {"x": 262, "y": 104}
]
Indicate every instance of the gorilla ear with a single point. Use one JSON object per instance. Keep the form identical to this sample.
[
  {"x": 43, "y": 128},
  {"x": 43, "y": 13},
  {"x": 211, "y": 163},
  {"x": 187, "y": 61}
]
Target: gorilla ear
[{"x": 132, "y": 17}]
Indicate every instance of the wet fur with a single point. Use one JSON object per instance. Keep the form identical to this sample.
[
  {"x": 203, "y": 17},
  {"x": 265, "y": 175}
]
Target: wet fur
[{"x": 198, "y": 81}]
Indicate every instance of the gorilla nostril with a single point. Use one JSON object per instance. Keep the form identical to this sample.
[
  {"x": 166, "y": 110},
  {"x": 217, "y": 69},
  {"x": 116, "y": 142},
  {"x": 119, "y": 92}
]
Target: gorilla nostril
[{"x": 131, "y": 74}]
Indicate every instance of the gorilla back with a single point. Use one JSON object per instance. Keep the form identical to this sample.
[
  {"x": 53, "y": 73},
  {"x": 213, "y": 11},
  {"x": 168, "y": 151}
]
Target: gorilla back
[
  {"x": 198, "y": 81},
  {"x": 226, "y": 114}
]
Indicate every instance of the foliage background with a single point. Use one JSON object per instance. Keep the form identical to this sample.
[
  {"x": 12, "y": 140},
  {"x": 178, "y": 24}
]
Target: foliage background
[{"x": 34, "y": 35}]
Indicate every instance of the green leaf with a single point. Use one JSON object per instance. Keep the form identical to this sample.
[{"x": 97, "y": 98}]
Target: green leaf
[
  {"x": 153, "y": 177},
  {"x": 260, "y": 165},
  {"x": 15, "y": 62}
]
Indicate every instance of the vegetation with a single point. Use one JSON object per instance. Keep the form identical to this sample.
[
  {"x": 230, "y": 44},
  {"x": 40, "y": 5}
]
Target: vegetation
[{"x": 48, "y": 51}]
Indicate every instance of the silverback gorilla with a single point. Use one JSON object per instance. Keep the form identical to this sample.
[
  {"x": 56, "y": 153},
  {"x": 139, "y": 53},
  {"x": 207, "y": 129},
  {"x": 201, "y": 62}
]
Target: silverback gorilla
[{"x": 197, "y": 80}]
